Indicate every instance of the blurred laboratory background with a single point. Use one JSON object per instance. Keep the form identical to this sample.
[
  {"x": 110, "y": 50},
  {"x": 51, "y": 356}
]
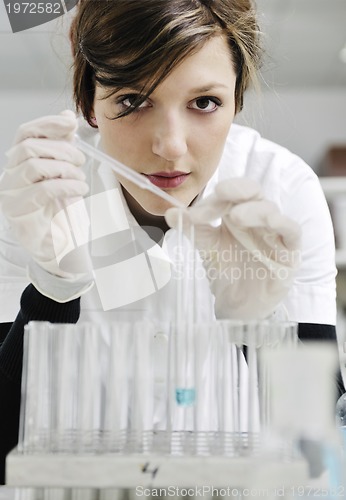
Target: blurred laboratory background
[{"x": 301, "y": 104}]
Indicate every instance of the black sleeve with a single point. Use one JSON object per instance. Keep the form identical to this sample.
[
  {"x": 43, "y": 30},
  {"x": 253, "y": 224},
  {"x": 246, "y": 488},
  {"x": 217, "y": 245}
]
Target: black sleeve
[
  {"x": 4, "y": 329},
  {"x": 315, "y": 332},
  {"x": 34, "y": 306},
  {"x": 322, "y": 333}
]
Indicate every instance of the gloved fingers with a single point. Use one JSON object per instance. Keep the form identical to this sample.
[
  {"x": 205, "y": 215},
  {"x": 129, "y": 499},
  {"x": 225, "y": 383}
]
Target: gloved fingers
[
  {"x": 205, "y": 235},
  {"x": 39, "y": 169},
  {"x": 183, "y": 219},
  {"x": 178, "y": 218},
  {"x": 208, "y": 210},
  {"x": 40, "y": 194},
  {"x": 289, "y": 230},
  {"x": 44, "y": 148},
  {"x": 275, "y": 227},
  {"x": 252, "y": 214},
  {"x": 60, "y": 188},
  {"x": 227, "y": 193},
  {"x": 238, "y": 190},
  {"x": 62, "y": 126},
  {"x": 265, "y": 214}
]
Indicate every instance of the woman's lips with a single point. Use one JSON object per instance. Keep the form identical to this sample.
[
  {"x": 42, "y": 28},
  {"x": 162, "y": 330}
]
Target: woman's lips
[{"x": 168, "y": 180}]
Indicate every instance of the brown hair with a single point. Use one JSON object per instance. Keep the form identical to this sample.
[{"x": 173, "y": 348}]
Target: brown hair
[{"x": 137, "y": 43}]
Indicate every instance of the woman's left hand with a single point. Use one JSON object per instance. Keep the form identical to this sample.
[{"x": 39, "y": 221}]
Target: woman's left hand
[{"x": 250, "y": 255}]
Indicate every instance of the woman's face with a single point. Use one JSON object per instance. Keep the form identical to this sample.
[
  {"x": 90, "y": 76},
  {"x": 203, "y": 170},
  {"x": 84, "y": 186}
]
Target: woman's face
[{"x": 176, "y": 137}]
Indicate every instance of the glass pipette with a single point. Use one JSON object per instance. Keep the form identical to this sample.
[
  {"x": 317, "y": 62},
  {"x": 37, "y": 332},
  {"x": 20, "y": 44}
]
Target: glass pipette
[{"x": 125, "y": 171}]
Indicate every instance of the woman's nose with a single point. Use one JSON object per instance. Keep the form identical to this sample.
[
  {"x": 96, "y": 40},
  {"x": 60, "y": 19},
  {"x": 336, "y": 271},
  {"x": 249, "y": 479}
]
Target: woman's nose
[{"x": 169, "y": 139}]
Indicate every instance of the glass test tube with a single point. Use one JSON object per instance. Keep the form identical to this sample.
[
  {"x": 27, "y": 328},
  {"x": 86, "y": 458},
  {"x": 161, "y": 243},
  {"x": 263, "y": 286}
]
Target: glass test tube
[{"x": 184, "y": 416}]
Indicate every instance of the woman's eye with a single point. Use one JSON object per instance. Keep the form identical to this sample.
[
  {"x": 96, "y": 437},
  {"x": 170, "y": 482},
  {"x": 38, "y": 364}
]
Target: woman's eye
[
  {"x": 130, "y": 101},
  {"x": 206, "y": 104}
]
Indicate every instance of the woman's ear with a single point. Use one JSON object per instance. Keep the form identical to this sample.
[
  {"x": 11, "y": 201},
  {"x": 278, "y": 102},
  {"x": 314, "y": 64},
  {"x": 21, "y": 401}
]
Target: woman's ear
[{"x": 92, "y": 119}]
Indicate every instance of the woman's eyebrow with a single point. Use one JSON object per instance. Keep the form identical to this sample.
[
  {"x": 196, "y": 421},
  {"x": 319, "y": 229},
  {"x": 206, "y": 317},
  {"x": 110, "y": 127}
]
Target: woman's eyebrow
[
  {"x": 128, "y": 90},
  {"x": 208, "y": 87}
]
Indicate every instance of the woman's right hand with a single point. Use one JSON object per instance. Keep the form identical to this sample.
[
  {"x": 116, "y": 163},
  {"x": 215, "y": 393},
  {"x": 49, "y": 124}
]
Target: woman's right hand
[{"x": 41, "y": 178}]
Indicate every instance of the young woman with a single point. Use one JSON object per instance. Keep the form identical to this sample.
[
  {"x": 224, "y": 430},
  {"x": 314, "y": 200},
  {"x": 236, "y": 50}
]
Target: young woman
[{"x": 159, "y": 84}]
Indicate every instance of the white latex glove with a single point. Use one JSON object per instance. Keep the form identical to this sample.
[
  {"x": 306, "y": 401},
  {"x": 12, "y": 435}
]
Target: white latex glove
[
  {"x": 250, "y": 256},
  {"x": 41, "y": 178}
]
